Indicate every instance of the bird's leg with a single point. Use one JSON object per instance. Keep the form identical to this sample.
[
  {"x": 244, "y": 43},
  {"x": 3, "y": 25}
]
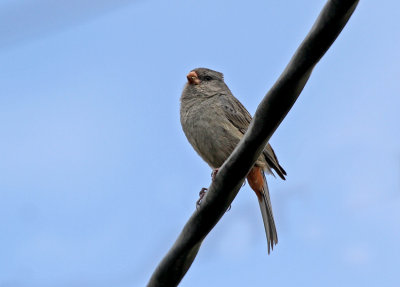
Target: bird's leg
[
  {"x": 214, "y": 173},
  {"x": 202, "y": 193}
]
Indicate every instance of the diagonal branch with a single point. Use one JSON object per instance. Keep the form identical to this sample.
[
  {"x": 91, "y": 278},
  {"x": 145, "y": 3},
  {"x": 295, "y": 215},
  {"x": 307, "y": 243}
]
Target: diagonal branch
[{"x": 270, "y": 113}]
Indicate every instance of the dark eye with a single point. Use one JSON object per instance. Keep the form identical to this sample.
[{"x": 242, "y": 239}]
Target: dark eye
[{"x": 207, "y": 78}]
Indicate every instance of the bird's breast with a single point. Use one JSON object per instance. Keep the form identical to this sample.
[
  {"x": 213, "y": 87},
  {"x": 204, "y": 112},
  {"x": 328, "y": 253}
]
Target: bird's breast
[{"x": 210, "y": 133}]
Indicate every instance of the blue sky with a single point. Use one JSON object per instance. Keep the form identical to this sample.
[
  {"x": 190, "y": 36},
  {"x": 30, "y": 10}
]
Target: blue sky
[{"x": 97, "y": 178}]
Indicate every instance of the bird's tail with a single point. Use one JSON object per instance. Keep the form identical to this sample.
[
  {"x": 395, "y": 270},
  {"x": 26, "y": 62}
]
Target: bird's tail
[{"x": 258, "y": 183}]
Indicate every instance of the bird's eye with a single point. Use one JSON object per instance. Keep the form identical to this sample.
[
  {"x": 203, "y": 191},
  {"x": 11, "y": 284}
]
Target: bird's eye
[{"x": 207, "y": 78}]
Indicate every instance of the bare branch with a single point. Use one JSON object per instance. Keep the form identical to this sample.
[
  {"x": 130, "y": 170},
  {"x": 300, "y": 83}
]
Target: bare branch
[{"x": 270, "y": 113}]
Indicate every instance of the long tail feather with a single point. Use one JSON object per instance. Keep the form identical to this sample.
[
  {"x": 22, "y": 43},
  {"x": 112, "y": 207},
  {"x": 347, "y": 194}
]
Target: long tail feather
[
  {"x": 258, "y": 183},
  {"x": 268, "y": 217}
]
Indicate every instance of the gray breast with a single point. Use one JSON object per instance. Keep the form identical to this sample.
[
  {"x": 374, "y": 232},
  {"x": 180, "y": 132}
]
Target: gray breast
[{"x": 208, "y": 131}]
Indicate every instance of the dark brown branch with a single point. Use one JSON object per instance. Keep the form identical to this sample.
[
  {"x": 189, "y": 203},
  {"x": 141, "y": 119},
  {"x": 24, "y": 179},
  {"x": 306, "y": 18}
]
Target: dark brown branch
[{"x": 270, "y": 113}]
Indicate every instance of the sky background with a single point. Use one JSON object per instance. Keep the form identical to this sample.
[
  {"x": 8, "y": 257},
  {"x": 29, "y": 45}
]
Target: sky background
[{"x": 97, "y": 178}]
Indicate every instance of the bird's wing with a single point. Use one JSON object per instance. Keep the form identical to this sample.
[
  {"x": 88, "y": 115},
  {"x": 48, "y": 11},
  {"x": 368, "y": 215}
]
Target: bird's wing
[
  {"x": 237, "y": 114},
  {"x": 273, "y": 162}
]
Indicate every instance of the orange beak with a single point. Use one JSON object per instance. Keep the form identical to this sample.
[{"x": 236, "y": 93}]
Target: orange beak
[{"x": 193, "y": 78}]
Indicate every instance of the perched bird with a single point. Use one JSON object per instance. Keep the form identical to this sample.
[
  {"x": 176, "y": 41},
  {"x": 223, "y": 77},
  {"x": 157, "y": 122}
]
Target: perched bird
[{"x": 214, "y": 121}]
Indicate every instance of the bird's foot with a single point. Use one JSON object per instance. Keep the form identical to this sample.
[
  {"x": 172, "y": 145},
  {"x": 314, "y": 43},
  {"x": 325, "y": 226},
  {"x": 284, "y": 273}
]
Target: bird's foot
[
  {"x": 202, "y": 193},
  {"x": 214, "y": 173}
]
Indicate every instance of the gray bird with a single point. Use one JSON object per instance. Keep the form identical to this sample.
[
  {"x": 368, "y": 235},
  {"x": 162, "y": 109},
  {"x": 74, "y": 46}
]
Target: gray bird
[{"x": 214, "y": 121}]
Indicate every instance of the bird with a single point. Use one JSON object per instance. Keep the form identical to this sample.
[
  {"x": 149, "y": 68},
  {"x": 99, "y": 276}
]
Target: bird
[{"x": 214, "y": 121}]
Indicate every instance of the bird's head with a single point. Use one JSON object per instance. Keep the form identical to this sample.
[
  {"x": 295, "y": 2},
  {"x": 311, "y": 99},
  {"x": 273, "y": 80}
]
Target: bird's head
[{"x": 205, "y": 82}]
